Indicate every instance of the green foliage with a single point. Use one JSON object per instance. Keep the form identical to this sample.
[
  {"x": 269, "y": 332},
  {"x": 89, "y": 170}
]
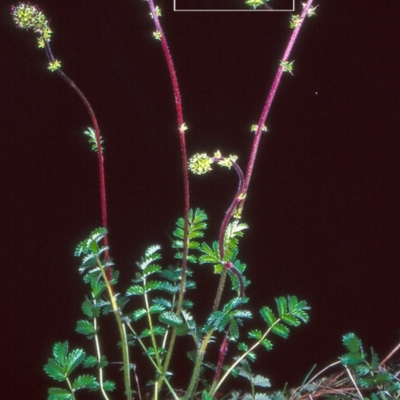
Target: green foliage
[
  {"x": 62, "y": 365},
  {"x": 93, "y": 266},
  {"x": 367, "y": 374},
  {"x": 196, "y": 226},
  {"x": 233, "y": 232},
  {"x": 244, "y": 370},
  {"x": 86, "y": 328},
  {"x": 290, "y": 311},
  {"x": 60, "y": 368},
  {"x": 159, "y": 287},
  {"x": 90, "y": 246},
  {"x": 91, "y": 134},
  {"x": 230, "y": 316}
]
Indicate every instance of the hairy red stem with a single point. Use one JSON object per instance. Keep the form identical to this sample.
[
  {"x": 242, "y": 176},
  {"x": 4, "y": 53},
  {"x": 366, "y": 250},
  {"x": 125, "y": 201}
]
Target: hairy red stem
[
  {"x": 100, "y": 158},
  {"x": 270, "y": 98},
  {"x": 181, "y": 127}
]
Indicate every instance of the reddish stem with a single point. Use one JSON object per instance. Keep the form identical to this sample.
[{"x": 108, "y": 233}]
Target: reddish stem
[
  {"x": 89, "y": 108},
  {"x": 182, "y": 140},
  {"x": 270, "y": 98},
  {"x": 222, "y": 353},
  {"x": 233, "y": 270},
  {"x": 179, "y": 115},
  {"x": 232, "y": 207}
]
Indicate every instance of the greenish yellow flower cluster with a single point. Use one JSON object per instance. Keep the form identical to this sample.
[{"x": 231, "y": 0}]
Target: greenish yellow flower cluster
[
  {"x": 27, "y": 16},
  {"x": 54, "y": 65},
  {"x": 157, "y": 10},
  {"x": 157, "y": 35},
  {"x": 200, "y": 164},
  {"x": 311, "y": 12},
  {"x": 287, "y": 66},
  {"x": 254, "y": 128},
  {"x": 224, "y": 161},
  {"x": 295, "y": 21}
]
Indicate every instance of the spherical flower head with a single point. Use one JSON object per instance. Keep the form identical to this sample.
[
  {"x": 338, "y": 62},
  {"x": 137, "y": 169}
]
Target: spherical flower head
[
  {"x": 30, "y": 17},
  {"x": 200, "y": 163}
]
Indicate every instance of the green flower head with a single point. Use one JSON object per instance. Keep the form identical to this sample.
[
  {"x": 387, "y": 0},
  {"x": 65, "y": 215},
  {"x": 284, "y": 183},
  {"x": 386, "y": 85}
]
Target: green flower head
[
  {"x": 200, "y": 163},
  {"x": 30, "y": 17},
  {"x": 224, "y": 161},
  {"x": 287, "y": 66}
]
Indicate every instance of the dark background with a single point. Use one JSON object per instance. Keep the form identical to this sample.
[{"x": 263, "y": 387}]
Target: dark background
[
  {"x": 229, "y": 5},
  {"x": 323, "y": 205}
]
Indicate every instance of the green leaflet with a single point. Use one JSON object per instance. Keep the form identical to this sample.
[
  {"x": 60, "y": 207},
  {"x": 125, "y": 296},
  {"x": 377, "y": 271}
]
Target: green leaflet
[
  {"x": 59, "y": 394},
  {"x": 171, "y": 319},
  {"x": 90, "y": 310},
  {"x": 85, "y": 382},
  {"x": 290, "y": 311},
  {"x": 90, "y": 132},
  {"x": 210, "y": 255},
  {"x": 233, "y": 231},
  {"x": 153, "y": 309},
  {"x": 244, "y": 370},
  {"x": 63, "y": 363},
  {"x": 355, "y": 353},
  {"x": 85, "y": 327},
  {"x": 206, "y": 396},
  {"x": 151, "y": 254},
  {"x": 90, "y": 245}
]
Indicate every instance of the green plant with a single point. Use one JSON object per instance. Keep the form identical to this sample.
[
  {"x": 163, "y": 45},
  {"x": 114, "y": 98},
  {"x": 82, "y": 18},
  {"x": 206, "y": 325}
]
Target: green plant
[
  {"x": 164, "y": 312},
  {"x": 362, "y": 378},
  {"x": 367, "y": 376}
]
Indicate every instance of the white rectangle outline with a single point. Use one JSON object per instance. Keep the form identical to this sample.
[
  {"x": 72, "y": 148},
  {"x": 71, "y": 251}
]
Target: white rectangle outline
[{"x": 233, "y": 10}]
